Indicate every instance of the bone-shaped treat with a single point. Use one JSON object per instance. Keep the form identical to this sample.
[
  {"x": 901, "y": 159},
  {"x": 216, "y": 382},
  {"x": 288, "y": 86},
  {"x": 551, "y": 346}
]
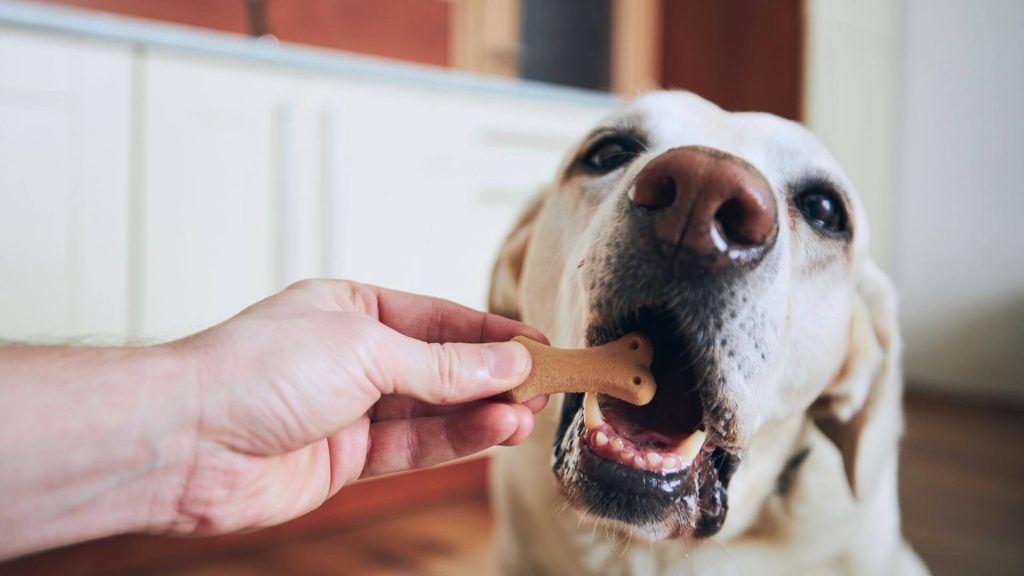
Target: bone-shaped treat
[{"x": 620, "y": 368}]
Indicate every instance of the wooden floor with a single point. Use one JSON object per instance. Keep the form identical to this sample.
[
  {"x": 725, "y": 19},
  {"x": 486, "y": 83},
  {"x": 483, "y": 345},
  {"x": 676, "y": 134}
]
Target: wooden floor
[
  {"x": 451, "y": 538},
  {"x": 961, "y": 483},
  {"x": 962, "y": 487}
]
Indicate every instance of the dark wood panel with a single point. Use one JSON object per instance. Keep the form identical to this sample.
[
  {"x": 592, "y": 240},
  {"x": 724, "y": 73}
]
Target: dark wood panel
[
  {"x": 361, "y": 503},
  {"x": 225, "y": 15},
  {"x": 739, "y": 54},
  {"x": 413, "y": 30}
]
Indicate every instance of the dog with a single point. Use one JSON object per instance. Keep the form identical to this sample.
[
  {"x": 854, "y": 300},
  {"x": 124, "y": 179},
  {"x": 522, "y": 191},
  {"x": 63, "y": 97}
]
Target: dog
[{"x": 738, "y": 245}]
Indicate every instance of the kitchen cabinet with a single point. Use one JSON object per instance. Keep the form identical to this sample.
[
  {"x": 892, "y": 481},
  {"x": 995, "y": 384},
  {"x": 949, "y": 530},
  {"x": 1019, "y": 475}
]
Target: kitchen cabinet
[
  {"x": 426, "y": 183},
  {"x": 64, "y": 187},
  {"x": 209, "y": 191},
  {"x": 152, "y": 188},
  {"x": 255, "y": 178}
]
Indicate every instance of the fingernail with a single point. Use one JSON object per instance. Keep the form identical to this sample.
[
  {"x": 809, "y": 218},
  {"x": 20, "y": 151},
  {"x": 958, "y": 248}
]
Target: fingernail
[{"x": 505, "y": 360}]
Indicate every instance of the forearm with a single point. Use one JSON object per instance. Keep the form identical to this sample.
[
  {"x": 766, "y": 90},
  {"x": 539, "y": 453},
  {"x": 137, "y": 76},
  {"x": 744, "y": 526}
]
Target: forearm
[{"x": 93, "y": 442}]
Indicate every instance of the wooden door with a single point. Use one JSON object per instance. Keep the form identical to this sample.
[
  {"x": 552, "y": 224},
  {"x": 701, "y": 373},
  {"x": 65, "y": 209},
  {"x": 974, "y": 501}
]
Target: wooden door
[{"x": 741, "y": 55}]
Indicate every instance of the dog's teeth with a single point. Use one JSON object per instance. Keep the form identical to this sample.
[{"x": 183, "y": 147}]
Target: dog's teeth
[
  {"x": 592, "y": 417},
  {"x": 671, "y": 463},
  {"x": 654, "y": 459},
  {"x": 600, "y": 439},
  {"x": 690, "y": 447},
  {"x": 617, "y": 444},
  {"x": 639, "y": 461},
  {"x": 627, "y": 455}
]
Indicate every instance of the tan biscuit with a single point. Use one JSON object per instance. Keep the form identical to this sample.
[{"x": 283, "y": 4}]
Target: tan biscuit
[{"x": 620, "y": 368}]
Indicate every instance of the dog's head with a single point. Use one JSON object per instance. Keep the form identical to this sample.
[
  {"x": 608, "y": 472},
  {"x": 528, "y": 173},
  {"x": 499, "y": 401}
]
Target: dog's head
[{"x": 738, "y": 245}]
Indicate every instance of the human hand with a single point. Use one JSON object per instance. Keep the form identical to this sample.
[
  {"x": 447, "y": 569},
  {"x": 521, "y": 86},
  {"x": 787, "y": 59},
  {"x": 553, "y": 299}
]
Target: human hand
[{"x": 330, "y": 381}]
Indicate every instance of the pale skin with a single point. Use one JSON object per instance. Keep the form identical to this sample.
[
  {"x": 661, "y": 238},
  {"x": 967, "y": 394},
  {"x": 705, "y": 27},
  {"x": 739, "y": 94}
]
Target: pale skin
[{"x": 253, "y": 422}]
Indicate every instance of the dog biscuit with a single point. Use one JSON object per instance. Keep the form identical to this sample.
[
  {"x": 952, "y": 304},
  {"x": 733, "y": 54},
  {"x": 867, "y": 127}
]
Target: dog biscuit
[{"x": 620, "y": 368}]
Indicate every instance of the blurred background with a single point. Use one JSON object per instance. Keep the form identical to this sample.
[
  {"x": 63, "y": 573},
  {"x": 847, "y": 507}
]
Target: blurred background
[{"x": 164, "y": 163}]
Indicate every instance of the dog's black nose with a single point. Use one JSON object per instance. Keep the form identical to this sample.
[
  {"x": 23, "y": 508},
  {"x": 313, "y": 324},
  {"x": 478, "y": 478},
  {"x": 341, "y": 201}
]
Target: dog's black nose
[{"x": 709, "y": 206}]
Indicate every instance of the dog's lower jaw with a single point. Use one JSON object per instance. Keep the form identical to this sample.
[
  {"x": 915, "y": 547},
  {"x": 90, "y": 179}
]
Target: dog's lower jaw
[{"x": 688, "y": 504}]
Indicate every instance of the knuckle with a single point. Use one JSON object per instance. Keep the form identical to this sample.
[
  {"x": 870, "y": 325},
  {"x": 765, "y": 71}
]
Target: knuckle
[
  {"x": 413, "y": 450},
  {"x": 304, "y": 284},
  {"x": 447, "y": 367},
  {"x": 357, "y": 296},
  {"x": 450, "y": 439}
]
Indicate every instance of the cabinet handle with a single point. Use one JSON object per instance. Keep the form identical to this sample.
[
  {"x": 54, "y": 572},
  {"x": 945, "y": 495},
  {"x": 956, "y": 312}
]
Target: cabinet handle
[
  {"x": 331, "y": 195},
  {"x": 288, "y": 211}
]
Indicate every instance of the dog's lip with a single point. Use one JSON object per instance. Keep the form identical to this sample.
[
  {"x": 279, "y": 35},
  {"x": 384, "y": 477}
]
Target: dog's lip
[
  {"x": 691, "y": 501},
  {"x": 600, "y": 469}
]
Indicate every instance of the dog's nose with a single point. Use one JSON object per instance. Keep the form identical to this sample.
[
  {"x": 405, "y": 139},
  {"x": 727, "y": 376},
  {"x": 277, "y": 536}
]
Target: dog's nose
[{"x": 717, "y": 209}]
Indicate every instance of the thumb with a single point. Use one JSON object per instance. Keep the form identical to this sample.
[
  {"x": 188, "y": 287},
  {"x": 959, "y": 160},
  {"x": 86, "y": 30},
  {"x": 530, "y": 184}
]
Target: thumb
[{"x": 450, "y": 373}]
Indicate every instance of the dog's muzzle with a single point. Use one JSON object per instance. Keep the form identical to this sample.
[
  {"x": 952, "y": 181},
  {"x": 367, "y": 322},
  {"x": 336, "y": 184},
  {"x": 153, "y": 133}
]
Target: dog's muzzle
[{"x": 695, "y": 222}]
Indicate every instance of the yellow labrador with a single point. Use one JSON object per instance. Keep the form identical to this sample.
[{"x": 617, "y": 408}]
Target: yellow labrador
[{"x": 738, "y": 245}]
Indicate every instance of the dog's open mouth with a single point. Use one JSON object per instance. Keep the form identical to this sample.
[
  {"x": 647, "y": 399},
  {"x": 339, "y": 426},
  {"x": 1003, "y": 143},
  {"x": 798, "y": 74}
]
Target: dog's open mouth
[
  {"x": 639, "y": 438},
  {"x": 653, "y": 467}
]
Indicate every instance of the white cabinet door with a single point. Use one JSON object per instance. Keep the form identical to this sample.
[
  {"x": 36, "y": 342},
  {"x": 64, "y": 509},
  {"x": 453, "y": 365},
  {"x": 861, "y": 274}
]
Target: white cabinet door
[
  {"x": 217, "y": 138},
  {"x": 255, "y": 177},
  {"x": 423, "y": 183},
  {"x": 513, "y": 147},
  {"x": 64, "y": 181}
]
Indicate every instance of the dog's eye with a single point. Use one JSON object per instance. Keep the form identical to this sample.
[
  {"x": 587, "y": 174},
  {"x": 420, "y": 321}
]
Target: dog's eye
[
  {"x": 823, "y": 209},
  {"x": 610, "y": 153}
]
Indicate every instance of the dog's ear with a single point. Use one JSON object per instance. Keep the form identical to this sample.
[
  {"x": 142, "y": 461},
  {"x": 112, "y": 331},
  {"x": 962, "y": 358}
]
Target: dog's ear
[
  {"x": 860, "y": 411},
  {"x": 508, "y": 269}
]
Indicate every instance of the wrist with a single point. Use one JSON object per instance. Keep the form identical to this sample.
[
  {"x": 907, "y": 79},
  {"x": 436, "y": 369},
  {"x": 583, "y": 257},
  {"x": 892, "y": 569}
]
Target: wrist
[
  {"x": 150, "y": 437},
  {"x": 171, "y": 373}
]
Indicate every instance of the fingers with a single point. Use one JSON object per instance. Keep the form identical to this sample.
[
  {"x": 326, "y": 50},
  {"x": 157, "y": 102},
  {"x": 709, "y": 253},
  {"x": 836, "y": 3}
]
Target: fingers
[
  {"x": 537, "y": 404},
  {"x": 398, "y": 407},
  {"x": 525, "y": 426},
  {"x": 422, "y": 317},
  {"x": 398, "y": 445},
  {"x": 446, "y": 373},
  {"x": 435, "y": 320}
]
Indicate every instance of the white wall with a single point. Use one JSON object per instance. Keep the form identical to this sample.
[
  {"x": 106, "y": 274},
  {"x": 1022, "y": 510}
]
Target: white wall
[
  {"x": 919, "y": 100},
  {"x": 850, "y": 99},
  {"x": 958, "y": 207}
]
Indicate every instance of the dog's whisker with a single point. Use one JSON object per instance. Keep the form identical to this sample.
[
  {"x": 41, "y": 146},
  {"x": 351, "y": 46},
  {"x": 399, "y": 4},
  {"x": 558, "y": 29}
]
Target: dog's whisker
[{"x": 728, "y": 555}]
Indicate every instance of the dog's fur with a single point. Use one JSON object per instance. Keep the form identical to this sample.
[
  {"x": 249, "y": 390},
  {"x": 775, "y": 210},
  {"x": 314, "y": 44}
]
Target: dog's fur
[{"x": 808, "y": 396}]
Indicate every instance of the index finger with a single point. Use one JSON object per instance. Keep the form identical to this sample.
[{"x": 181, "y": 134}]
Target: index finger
[{"x": 436, "y": 320}]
